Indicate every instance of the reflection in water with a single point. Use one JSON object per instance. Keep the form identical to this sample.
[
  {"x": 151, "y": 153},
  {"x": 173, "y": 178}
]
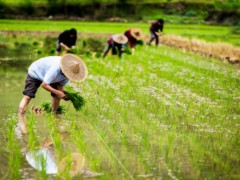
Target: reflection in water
[{"x": 43, "y": 159}]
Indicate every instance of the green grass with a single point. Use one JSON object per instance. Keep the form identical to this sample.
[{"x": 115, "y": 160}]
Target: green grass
[{"x": 205, "y": 32}]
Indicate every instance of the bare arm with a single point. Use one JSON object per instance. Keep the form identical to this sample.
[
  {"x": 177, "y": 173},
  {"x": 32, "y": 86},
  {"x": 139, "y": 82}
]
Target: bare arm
[
  {"x": 64, "y": 46},
  {"x": 58, "y": 92}
]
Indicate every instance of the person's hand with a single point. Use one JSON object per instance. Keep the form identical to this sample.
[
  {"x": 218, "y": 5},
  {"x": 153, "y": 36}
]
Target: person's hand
[
  {"x": 69, "y": 51},
  {"x": 61, "y": 95},
  {"x": 67, "y": 48},
  {"x": 133, "y": 50}
]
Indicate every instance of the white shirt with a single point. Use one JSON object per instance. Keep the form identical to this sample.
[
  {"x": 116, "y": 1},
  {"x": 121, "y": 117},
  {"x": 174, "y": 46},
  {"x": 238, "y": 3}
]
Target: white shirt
[{"x": 48, "y": 69}]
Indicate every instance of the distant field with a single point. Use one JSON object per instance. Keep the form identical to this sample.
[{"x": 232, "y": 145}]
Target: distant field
[{"x": 205, "y": 32}]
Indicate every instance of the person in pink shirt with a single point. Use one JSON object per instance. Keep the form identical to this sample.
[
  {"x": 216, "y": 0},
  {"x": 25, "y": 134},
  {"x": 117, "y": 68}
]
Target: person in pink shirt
[{"x": 116, "y": 43}]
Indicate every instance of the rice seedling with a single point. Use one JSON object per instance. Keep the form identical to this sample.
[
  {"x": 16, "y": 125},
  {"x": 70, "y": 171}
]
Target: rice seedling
[
  {"x": 47, "y": 108},
  {"x": 32, "y": 141},
  {"x": 77, "y": 100},
  {"x": 55, "y": 135},
  {"x": 158, "y": 113},
  {"x": 14, "y": 151}
]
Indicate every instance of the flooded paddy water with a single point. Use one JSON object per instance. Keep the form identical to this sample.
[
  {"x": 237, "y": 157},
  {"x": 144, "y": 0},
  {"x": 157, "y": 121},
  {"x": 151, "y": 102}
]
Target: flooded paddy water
[{"x": 157, "y": 114}]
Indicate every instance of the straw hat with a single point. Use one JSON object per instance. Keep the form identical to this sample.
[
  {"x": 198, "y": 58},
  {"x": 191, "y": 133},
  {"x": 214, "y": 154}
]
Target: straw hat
[
  {"x": 120, "y": 38},
  {"x": 76, "y": 162},
  {"x": 73, "y": 68},
  {"x": 136, "y": 33}
]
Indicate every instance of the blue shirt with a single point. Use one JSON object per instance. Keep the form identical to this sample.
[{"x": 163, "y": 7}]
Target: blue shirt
[{"x": 48, "y": 69}]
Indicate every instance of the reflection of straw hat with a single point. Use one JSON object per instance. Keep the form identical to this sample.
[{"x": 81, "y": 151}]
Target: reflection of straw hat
[
  {"x": 73, "y": 68},
  {"x": 120, "y": 38},
  {"x": 73, "y": 164},
  {"x": 136, "y": 33}
]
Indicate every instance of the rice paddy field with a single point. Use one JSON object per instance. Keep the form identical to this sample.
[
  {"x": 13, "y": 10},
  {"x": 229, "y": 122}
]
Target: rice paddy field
[{"x": 159, "y": 113}]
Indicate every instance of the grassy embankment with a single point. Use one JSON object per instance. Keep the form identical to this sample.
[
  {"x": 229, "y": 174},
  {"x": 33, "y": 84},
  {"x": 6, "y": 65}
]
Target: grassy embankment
[{"x": 206, "y": 32}]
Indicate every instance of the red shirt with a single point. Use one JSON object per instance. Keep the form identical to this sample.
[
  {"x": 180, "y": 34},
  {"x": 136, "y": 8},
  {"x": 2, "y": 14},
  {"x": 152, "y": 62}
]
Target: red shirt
[
  {"x": 156, "y": 26},
  {"x": 131, "y": 40}
]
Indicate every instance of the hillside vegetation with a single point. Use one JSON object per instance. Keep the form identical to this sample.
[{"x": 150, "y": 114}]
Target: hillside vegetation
[{"x": 174, "y": 11}]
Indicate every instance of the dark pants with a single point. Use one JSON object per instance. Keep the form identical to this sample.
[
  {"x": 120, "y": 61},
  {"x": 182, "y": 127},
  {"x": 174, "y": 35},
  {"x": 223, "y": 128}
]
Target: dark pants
[
  {"x": 32, "y": 85},
  {"x": 113, "y": 48},
  {"x": 153, "y": 36}
]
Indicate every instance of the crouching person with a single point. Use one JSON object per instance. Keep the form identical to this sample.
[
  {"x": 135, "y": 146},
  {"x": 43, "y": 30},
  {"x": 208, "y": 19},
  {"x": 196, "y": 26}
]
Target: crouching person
[
  {"x": 52, "y": 74},
  {"x": 116, "y": 43},
  {"x": 134, "y": 36}
]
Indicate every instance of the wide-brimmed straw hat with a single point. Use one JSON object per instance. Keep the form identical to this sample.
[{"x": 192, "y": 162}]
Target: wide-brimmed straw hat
[
  {"x": 120, "y": 38},
  {"x": 76, "y": 162},
  {"x": 136, "y": 33},
  {"x": 73, "y": 68}
]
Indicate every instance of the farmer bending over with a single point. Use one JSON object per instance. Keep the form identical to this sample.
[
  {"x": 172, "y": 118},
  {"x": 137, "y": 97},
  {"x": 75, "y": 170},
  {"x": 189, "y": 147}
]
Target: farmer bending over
[
  {"x": 154, "y": 30},
  {"x": 134, "y": 35},
  {"x": 116, "y": 42},
  {"x": 51, "y": 73},
  {"x": 67, "y": 40}
]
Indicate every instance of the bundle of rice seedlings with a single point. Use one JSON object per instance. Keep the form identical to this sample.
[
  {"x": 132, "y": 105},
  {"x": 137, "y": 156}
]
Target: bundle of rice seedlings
[
  {"x": 47, "y": 108},
  {"x": 127, "y": 50},
  {"x": 74, "y": 96}
]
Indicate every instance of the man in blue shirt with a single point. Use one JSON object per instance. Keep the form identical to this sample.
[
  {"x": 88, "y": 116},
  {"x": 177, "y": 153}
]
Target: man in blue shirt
[{"x": 52, "y": 74}]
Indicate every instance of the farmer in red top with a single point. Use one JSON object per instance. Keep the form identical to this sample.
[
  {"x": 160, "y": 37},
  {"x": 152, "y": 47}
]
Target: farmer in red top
[
  {"x": 134, "y": 35},
  {"x": 117, "y": 43},
  {"x": 154, "y": 30}
]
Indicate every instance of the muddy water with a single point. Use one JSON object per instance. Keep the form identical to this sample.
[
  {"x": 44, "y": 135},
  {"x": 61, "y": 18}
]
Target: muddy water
[{"x": 12, "y": 74}]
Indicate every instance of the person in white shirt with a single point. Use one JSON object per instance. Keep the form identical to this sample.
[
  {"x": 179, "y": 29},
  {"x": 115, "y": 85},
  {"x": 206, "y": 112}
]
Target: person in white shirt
[{"x": 52, "y": 74}]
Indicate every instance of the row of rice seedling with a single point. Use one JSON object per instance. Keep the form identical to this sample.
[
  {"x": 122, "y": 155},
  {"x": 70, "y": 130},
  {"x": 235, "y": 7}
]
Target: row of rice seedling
[
  {"x": 135, "y": 103},
  {"x": 158, "y": 113}
]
